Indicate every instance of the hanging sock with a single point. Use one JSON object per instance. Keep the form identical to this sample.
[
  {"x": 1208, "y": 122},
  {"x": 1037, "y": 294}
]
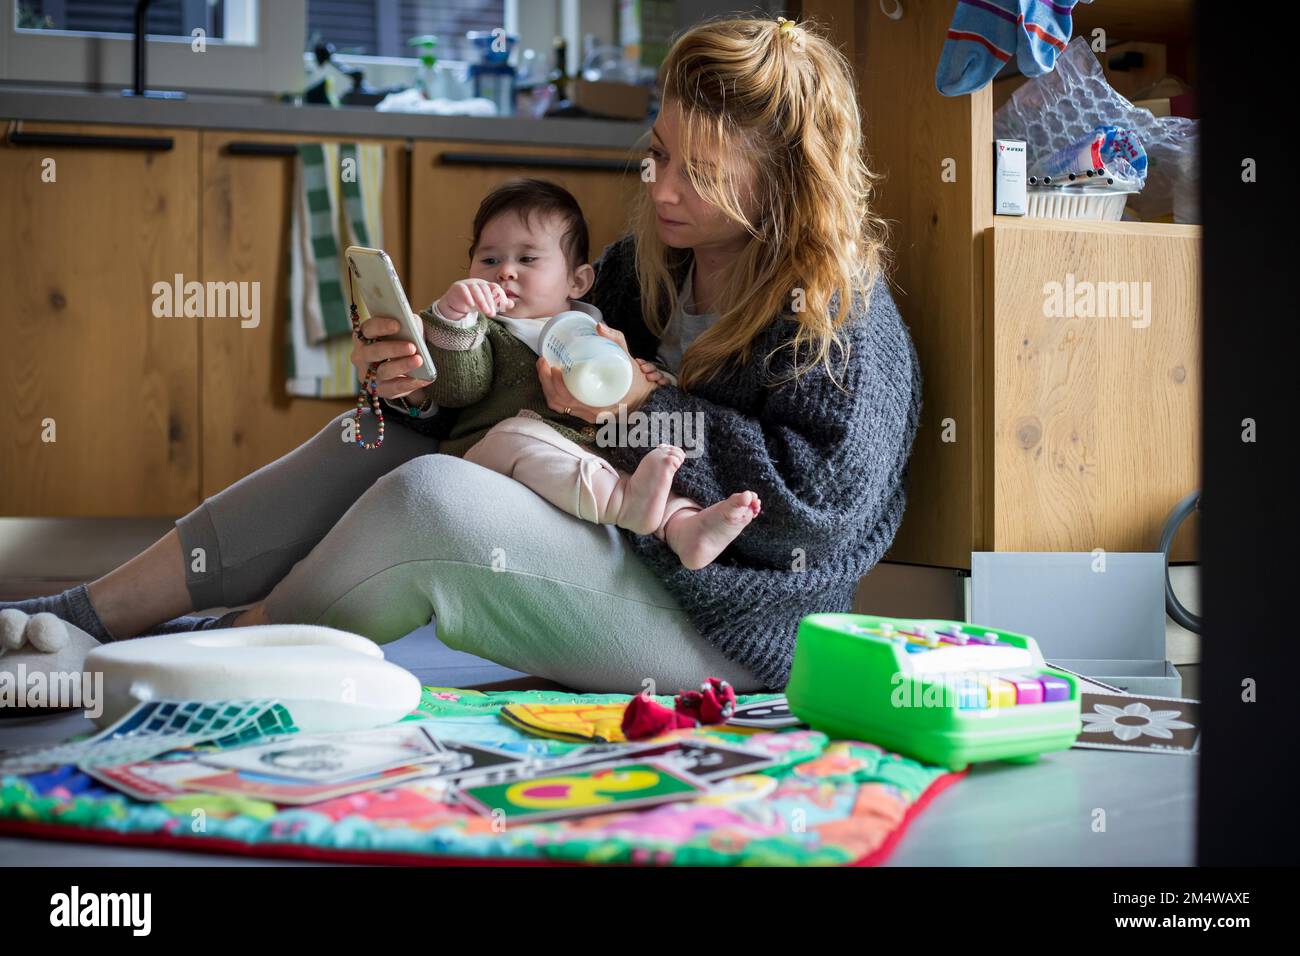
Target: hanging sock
[
  {"x": 1046, "y": 29},
  {"x": 983, "y": 36}
]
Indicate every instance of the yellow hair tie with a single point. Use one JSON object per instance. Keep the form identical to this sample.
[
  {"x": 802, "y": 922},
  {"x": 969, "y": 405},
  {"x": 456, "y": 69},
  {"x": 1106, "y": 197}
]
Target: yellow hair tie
[{"x": 789, "y": 29}]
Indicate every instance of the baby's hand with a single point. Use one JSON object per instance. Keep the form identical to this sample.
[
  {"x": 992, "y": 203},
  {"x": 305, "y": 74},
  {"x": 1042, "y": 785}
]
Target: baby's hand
[
  {"x": 469, "y": 295},
  {"x": 652, "y": 372}
]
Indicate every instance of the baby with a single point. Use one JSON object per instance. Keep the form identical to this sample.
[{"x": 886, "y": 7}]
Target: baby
[{"x": 528, "y": 263}]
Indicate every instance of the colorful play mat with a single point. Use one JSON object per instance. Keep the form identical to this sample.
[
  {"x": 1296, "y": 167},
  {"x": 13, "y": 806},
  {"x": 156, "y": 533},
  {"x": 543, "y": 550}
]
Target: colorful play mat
[{"x": 820, "y": 803}]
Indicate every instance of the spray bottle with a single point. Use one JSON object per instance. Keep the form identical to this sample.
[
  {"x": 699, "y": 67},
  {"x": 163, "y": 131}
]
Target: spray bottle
[{"x": 428, "y": 63}]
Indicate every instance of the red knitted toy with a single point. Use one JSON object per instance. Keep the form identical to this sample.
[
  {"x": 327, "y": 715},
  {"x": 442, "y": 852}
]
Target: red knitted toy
[{"x": 713, "y": 703}]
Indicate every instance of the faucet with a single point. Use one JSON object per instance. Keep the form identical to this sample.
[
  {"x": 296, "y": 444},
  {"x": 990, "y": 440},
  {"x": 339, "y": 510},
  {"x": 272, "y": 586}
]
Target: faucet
[{"x": 138, "y": 44}]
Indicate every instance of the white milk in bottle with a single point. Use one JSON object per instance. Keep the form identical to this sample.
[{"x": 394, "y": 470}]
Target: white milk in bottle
[{"x": 596, "y": 370}]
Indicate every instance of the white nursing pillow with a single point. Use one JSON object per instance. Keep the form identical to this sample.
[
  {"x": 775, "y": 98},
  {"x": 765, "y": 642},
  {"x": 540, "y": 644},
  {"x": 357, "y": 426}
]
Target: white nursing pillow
[
  {"x": 276, "y": 635},
  {"x": 330, "y": 680}
]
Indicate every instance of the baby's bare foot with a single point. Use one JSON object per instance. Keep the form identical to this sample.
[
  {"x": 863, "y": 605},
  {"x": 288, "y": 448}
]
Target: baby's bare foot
[
  {"x": 648, "y": 488},
  {"x": 699, "y": 537}
]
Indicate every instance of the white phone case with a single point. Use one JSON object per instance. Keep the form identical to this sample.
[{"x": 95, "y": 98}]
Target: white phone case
[{"x": 375, "y": 282}]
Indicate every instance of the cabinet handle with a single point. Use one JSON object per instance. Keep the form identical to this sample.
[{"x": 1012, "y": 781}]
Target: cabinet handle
[
  {"x": 156, "y": 144},
  {"x": 261, "y": 149},
  {"x": 545, "y": 162}
]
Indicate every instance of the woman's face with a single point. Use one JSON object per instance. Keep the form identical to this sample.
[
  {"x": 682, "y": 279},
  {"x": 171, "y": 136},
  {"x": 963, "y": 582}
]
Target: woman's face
[{"x": 684, "y": 219}]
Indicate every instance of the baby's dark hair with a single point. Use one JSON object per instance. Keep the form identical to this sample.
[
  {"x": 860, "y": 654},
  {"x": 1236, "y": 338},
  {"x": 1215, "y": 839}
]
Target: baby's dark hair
[{"x": 529, "y": 197}]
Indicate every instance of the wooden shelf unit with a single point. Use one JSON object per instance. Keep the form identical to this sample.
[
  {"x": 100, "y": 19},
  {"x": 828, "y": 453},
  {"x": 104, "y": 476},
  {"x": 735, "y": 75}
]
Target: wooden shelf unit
[{"x": 1006, "y": 427}]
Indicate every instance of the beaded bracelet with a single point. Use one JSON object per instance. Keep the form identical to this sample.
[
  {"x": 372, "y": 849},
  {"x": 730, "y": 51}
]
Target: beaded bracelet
[{"x": 371, "y": 382}]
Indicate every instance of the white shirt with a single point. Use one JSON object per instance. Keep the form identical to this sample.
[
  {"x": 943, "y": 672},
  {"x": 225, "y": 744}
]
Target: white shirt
[
  {"x": 684, "y": 325},
  {"x": 529, "y": 331}
]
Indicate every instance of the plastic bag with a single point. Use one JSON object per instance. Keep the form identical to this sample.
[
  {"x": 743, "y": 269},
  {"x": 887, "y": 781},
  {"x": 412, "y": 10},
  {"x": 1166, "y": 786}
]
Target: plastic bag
[
  {"x": 1056, "y": 110},
  {"x": 1108, "y": 154}
]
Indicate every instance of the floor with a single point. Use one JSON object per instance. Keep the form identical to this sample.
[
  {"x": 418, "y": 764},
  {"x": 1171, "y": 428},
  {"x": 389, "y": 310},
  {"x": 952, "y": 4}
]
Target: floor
[{"x": 1077, "y": 808}]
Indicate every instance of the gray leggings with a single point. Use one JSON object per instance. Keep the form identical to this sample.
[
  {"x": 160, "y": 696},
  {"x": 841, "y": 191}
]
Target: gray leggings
[{"x": 379, "y": 541}]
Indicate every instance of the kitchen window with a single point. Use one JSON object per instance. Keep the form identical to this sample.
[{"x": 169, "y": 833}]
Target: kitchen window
[
  {"x": 382, "y": 28},
  {"x": 218, "y": 19},
  {"x": 247, "y": 46}
]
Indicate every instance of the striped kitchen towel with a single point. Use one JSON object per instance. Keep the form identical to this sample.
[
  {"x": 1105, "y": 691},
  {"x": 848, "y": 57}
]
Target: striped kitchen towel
[{"x": 338, "y": 192}]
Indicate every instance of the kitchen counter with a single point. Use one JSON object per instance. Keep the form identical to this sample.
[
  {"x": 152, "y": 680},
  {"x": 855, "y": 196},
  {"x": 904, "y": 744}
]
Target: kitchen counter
[{"x": 263, "y": 115}]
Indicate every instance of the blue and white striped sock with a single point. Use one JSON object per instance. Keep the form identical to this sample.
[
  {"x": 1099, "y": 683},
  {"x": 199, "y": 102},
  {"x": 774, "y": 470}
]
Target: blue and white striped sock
[
  {"x": 982, "y": 37},
  {"x": 1045, "y": 31}
]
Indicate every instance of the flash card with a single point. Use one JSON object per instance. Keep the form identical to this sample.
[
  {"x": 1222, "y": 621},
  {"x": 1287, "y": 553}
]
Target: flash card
[
  {"x": 461, "y": 761},
  {"x": 150, "y": 780},
  {"x": 1141, "y": 723},
  {"x": 767, "y": 714},
  {"x": 294, "y": 792},
  {"x": 585, "y": 758},
  {"x": 583, "y": 792},
  {"x": 320, "y": 758},
  {"x": 710, "y": 760}
]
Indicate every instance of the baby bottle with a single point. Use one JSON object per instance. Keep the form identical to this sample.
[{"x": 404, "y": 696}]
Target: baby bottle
[{"x": 596, "y": 370}]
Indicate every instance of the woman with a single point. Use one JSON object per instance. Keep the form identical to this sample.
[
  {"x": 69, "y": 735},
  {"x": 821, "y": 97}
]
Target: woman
[{"x": 752, "y": 232}]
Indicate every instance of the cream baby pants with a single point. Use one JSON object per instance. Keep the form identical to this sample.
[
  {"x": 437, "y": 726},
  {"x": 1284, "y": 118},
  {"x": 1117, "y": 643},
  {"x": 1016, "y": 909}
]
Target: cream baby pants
[{"x": 571, "y": 477}]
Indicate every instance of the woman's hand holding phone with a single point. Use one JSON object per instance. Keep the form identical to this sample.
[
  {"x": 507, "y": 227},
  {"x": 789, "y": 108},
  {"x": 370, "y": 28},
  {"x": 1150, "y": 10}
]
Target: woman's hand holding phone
[
  {"x": 395, "y": 358},
  {"x": 473, "y": 295}
]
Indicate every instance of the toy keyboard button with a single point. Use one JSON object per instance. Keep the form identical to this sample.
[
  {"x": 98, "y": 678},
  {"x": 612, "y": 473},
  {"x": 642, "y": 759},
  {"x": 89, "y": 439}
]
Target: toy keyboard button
[
  {"x": 971, "y": 696},
  {"x": 1054, "y": 688},
  {"x": 1028, "y": 690},
  {"x": 1002, "y": 693}
]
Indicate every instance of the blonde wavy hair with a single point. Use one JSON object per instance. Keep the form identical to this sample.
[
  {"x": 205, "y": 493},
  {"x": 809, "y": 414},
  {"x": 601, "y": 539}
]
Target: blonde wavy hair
[{"x": 782, "y": 97}]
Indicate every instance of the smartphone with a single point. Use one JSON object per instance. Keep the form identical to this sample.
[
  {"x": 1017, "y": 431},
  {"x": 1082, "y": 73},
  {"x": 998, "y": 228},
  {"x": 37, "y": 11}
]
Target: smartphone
[{"x": 375, "y": 281}]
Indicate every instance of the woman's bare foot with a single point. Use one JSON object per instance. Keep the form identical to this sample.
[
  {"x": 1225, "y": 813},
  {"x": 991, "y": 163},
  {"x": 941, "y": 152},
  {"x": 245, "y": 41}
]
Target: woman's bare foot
[
  {"x": 647, "y": 490},
  {"x": 698, "y": 537}
]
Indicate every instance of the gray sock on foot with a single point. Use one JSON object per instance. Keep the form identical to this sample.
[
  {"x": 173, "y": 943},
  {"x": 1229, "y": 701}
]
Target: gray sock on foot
[
  {"x": 190, "y": 622},
  {"x": 73, "y": 606}
]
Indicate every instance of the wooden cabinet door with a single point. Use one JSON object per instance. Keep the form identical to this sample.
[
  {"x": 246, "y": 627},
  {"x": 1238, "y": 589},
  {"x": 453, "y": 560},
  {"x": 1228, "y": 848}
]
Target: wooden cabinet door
[
  {"x": 1093, "y": 383},
  {"x": 448, "y": 180},
  {"x": 248, "y": 418},
  {"x": 100, "y": 394}
]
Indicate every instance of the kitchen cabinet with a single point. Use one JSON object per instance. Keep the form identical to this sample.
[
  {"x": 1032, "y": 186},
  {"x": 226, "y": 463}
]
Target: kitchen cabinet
[
  {"x": 248, "y": 419},
  {"x": 101, "y": 394},
  {"x": 449, "y": 179},
  {"x": 151, "y": 414}
]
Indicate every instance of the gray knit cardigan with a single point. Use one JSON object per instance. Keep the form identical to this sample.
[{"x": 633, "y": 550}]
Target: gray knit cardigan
[{"x": 830, "y": 469}]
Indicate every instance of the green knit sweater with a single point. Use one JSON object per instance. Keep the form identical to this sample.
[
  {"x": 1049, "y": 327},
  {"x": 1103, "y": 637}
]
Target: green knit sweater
[{"x": 490, "y": 375}]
